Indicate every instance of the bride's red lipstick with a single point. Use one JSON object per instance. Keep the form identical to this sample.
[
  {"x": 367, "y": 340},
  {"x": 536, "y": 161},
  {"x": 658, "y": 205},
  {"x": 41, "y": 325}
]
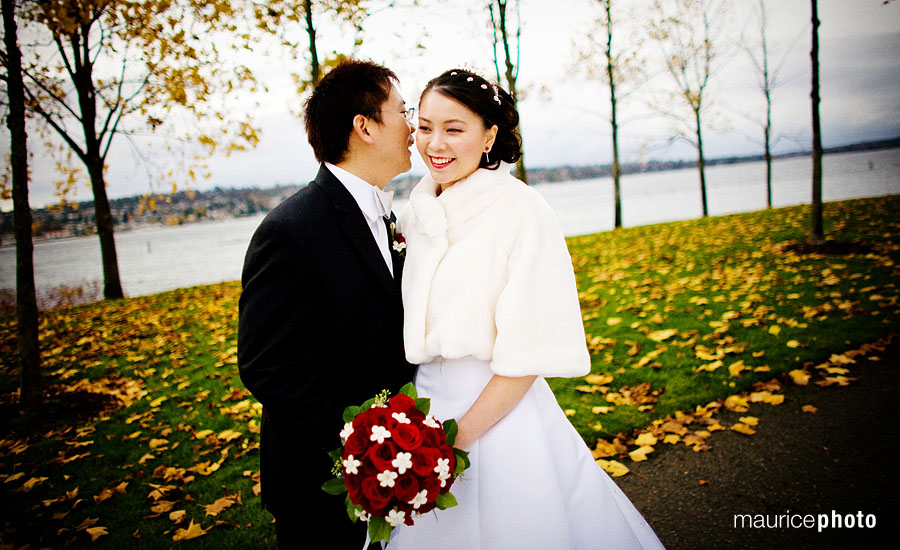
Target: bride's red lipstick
[{"x": 440, "y": 162}]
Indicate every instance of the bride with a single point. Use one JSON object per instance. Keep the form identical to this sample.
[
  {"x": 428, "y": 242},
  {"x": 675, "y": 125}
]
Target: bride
[{"x": 491, "y": 309}]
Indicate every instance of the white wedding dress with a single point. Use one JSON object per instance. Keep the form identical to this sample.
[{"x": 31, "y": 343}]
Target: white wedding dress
[
  {"x": 489, "y": 288},
  {"x": 532, "y": 485}
]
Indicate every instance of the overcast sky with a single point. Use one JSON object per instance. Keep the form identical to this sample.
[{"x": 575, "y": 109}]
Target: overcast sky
[{"x": 564, "y": 115}]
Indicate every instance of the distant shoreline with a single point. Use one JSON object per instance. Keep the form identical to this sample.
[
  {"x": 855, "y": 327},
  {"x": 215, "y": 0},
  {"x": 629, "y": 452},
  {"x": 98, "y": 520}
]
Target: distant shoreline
[
  {"x": 605, "y": 170},
  {"x": 188, "y": 207}
]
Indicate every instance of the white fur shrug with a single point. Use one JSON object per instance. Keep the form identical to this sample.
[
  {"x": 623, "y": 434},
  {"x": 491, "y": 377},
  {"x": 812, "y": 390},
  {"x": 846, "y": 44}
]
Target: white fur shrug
[{"x": 488, "y": 274}]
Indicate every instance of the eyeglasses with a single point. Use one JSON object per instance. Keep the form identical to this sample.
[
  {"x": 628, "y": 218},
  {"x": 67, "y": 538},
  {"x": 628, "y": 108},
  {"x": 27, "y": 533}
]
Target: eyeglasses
[{"x": 410, "y": 114}]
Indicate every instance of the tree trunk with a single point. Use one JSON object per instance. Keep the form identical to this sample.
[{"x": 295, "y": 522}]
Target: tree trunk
[
  {"x": 701, "y": 163},
  {"x": 768, "y": 156},
  {"x": 112, "y": 286},
  {"x": 93, "y": 159},
  {"x": 315, "y": 72},
  {"x": 510, "y": 74},
  {"x": 816, "y": 232},
  {"x": 610, "y": 73},
  {"x": 26, "y": 299}
]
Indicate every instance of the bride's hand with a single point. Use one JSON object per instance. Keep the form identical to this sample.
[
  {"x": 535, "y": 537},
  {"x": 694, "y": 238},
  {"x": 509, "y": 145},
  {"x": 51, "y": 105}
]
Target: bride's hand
[{"x": 499, "y": 397}]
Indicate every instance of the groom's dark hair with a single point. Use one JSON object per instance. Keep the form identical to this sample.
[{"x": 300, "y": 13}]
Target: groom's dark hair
[{"x": 352, "y": 88}]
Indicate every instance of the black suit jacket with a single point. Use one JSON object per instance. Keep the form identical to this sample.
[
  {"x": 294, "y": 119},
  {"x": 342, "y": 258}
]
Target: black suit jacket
[{"x": 320, "y": 328}]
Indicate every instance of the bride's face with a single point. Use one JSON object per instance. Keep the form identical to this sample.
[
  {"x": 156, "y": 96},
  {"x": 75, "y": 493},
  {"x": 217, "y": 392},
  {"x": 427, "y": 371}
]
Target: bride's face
[{"x": 451, "y": 138}]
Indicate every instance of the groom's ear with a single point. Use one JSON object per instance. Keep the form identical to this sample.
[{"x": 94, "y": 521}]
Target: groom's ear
[{"x": 361, "y": 129}]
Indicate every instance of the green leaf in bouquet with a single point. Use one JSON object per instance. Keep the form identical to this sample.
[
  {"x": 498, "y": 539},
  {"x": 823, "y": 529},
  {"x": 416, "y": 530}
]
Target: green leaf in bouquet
[
  {"x": 367, "y": 405},
  {"x": 451, "y": 429},
  {"x": 423, "y": 404},
  {"x": 462, "y": 461},
  {"x": 445, "y": 500},
  {"x": 334, "y": 486},
  {"x": 352, "y": 509},
  {"x": 351, "y": 412},
  {"x": 410, "y": 390},
  {"x": 379, "y": 529},
  {"x": 336, "y": 454}
]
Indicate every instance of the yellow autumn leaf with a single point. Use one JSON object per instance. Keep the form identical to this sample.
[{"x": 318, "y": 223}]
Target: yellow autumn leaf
[
  {"x": 158, "y": 401},
  {"x": 613, "y": 467},
  {"x": 736, "y": 403},
  {"x": 193, "y": 531},
  {"x": 570, "y": 412},
  {"x": 598, "y": 379},
  {"x": 735, "y": 368},
  {"x": 742, "y": 428},
  {"x": 709, "y": 367},
  {"x": 603, "y": 449},
  {"x": 14, "y": 477},
  {"x": 705, "y": 354},
  {"x": 613, "y": 321},
  {"x": 157, "y": 443},
  {"x": 799, "y": 376},
  {"x": 792, "y": 344},
  {"x": 216, "y": 507},
  {"x": 203, "y": 434},
  {"x": 177, "y": 516},
  {"x": 162, "y": 506},
  {"x": 835, "y": 380},
  {"x": 229, "y": 435},
  {"x": 808, "y": 409},
  {"x": 29, "y": 485},
  {"x": 841, "y": 359},
  {"x": 96, "y": 532},
  {"x": 672, "y": 439},
  {"x": 775, "y": 330},
  {"x": 774, "y": 399},
  {"x": 660, "y": 335},
  {"x": 645, "y": 438},
  {"x": 749, "y": 420},
  {"x": 640, "y": 454},
  {"x": 600, "y": 409}
]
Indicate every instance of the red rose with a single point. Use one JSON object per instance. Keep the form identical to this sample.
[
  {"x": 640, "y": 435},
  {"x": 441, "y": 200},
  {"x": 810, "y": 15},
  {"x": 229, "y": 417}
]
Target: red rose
[
  {"x": 375, "y": 496},
  {"x": 406, "y": 487},
  {"x": 382, "y": 454},
  {"x": 416, "y": 416},
  {"x": 434, "y": 437},
  {"x": 402, "y": 403},
  {"x": 356, "y": 444},
  {"x": 447, "y": 452},
  {"x": 362, "y": 422},
  {"x": 354, "y": 487},
  {"x": 407, "y": 436},
  {"x": 376, "y": 416},
  {"x": 433, "y": 486},
  {"x": 424, "y": 460}
]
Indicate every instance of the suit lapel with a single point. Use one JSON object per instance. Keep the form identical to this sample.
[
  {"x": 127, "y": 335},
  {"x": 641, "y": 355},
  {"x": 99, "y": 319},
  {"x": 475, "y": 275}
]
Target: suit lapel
[{"x": 356, "y": 228}]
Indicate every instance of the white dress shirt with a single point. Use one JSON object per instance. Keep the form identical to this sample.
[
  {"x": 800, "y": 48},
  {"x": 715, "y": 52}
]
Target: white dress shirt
[{"x": 373, "y": 206}]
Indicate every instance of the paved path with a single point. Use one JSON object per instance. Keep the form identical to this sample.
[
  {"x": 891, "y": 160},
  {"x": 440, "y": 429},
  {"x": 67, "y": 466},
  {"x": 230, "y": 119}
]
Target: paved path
[{"x": 841, "y": 460}]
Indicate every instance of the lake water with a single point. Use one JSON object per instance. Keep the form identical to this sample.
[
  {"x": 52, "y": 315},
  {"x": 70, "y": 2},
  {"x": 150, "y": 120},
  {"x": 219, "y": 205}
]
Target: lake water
[{"x": 163, "y": 258}]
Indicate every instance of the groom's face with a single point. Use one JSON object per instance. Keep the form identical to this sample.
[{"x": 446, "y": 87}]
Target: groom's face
[{"x": 394, "y": 135}]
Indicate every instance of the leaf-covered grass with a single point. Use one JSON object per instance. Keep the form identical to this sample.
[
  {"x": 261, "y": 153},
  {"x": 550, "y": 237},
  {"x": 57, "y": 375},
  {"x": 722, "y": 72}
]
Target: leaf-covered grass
[
  {"x": 677, "y": 315},
  {"x": 704, "y": 309}
]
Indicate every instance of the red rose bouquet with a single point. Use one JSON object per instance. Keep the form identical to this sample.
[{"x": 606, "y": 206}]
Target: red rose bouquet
[{"x": 396, "y": 462}]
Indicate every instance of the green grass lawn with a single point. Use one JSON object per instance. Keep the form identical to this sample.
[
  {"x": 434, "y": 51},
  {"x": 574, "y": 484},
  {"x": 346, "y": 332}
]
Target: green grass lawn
[{"x": 677, "y": 315}]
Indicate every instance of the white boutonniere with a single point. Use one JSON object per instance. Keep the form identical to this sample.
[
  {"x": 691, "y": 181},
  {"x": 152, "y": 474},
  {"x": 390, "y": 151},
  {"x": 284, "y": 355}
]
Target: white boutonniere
[{"x": 399, "y": 243}]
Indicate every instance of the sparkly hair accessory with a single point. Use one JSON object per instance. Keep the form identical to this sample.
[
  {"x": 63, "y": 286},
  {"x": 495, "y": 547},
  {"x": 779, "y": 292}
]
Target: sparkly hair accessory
[{"x": 483, "y": 87}]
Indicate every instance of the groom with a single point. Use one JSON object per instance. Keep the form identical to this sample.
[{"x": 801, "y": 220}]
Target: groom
[{"x": 321, "y": 317}]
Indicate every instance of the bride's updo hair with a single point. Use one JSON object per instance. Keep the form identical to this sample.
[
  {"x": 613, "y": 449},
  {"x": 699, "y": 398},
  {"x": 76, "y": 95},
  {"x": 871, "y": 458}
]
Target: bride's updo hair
[{"x": 490, "y": 102}]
